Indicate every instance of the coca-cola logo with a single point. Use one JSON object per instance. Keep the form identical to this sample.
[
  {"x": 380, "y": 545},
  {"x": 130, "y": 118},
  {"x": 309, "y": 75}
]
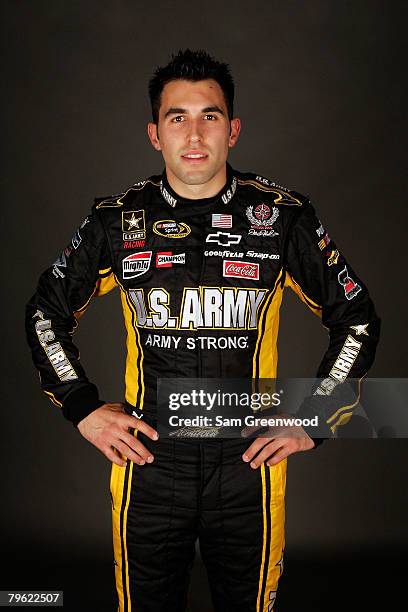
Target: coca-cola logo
[{"x": 241, "y": 269}]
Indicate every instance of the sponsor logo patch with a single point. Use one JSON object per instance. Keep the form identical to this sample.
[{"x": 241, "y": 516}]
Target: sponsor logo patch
[
  {"x": 136, "y": 264},
  {"x": 320, "y": 230},
  {"x": 133, "y": 225},
  {"x": 240, "y": 269},
  {"x": 61, "y": 261},
  {"x": 351, "y": 288},
  {"x": 332, "y": 257},
  {"x": 262, "y": 255},
  {"x": 220, "y": 220},
  {"x": 167, "y": 259},
  {"x": 324, "y": 242},
  {"x": 224, "y": 238},
  {"x": 262, "y": 219},
  {"x": 133, "y": 244},
  {"x": 224, "y": 253},
  {"x": 171, "y": 229},
  {"x": 77, "y": 239}
]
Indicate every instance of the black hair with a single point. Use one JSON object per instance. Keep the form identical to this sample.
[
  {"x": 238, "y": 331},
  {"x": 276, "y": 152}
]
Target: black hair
[{"x": 191, "y": 66}]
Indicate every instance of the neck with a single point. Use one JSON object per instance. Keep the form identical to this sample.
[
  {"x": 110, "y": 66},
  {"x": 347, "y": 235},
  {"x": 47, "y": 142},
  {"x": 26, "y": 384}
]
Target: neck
[{"x": 198, "y": 192}]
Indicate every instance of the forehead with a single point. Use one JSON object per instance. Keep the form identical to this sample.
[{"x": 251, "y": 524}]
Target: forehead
[{"x": 184, "y": 94}]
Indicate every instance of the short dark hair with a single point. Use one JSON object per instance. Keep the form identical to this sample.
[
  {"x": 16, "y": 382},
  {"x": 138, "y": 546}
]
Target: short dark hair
[{"x": 191, "y": 66}]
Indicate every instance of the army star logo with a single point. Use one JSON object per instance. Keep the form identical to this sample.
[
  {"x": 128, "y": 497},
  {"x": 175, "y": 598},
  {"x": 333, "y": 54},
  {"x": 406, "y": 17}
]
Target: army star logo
[
  {"x": 360, "y": 329},
  {"x": 133, "y": 222},
  {"x": 133, "y": 225}
]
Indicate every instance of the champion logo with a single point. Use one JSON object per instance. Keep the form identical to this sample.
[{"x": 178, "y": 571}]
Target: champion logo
[
  {"x": 240, "y": 269},
  {"x": 167, "y": 259}
]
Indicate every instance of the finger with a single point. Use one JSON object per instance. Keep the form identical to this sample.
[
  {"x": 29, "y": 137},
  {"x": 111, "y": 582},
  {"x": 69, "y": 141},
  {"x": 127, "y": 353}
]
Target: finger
[
  {"x": 140, "y": 425},
  {"x": 282, "y": 453},
  {"x": 112, "y": 456},
  {"x": 136, "y": 446},
  {"x": 255, "y": 447},
  {"x": 129, "y": 453},
  {"x": 268, "y": 450}
]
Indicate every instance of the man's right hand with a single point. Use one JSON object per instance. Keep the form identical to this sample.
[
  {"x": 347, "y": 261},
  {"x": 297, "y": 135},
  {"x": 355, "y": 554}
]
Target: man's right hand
[{"x": 107, "y": 429}]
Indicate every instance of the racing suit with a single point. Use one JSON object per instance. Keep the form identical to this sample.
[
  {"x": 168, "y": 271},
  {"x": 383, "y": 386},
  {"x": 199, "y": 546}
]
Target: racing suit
[{"x": 201, "y": 284}]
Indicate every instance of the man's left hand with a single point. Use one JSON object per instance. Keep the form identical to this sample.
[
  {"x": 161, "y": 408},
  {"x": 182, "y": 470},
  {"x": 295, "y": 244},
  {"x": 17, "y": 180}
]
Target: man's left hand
[{"x": 281, "y": 443}]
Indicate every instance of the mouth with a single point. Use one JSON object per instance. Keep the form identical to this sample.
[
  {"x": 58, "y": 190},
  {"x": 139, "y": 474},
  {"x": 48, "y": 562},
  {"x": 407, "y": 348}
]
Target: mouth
[{"x": 194, "y": 157}]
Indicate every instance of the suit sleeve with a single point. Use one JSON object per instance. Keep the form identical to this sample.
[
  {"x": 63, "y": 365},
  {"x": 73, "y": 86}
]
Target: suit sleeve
[
  {"x": 64, "y": 291},
  {"x": 323, "y": 279}
]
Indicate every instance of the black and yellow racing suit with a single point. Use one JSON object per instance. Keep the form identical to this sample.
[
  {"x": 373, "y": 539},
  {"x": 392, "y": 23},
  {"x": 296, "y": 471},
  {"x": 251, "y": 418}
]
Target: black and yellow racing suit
[{"x": 201, "y": 284}]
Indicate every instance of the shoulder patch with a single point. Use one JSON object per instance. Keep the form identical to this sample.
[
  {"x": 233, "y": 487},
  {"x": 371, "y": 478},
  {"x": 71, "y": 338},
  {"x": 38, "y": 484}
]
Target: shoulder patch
[
  {"x": 119, "y": 199},
  {"x": 111, "y": 201},
  {"x": 281, "y": 195}
]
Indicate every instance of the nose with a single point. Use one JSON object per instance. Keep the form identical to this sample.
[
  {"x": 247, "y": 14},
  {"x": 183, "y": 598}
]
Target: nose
[{"x": 194, "y": 134}]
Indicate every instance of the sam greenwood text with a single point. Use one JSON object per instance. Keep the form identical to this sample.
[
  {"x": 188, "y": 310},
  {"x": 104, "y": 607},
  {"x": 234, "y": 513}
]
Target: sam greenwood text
[{"x": 248, "y": 421}]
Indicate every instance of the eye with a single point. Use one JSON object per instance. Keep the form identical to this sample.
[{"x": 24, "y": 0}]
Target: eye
[
  {"x": 176, "y": 119},
  {"x": 211, "y": 116}
]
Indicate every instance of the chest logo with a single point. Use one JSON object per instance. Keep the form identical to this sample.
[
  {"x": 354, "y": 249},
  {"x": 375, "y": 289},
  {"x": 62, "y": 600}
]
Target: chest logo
[
  {"x": 136, "y": 264},
  {"x": 240, "y": 269},
  {"x": 171, "y": 229},
  {"x": 221, "y": 220},
  {"x": 262, "y": 219},
  {"x": 167, "y": 259},
  {"x": 133, "y": 225},
  {"x": 224, "y": 238}
]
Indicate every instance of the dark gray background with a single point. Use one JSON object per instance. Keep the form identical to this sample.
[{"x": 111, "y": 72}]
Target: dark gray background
[{"x": 319, "y": 89}]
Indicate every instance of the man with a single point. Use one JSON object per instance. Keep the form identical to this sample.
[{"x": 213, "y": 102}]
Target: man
[{"x": 201, "y": 255}]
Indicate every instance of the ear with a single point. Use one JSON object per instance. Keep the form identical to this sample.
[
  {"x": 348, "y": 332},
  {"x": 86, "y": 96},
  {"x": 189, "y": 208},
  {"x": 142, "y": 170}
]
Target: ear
[
  {"x": 153, "y": 134},
  {"x": 235, "y": 128}
]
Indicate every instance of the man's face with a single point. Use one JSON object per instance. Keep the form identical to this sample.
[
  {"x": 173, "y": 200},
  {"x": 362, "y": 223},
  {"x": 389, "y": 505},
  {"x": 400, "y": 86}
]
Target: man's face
[{"x": 193, "y": 132}]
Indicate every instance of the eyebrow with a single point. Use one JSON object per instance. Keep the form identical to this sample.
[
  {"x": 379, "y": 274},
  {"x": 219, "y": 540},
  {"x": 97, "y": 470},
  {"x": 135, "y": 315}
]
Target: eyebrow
[{"x": 183, "y": 111}]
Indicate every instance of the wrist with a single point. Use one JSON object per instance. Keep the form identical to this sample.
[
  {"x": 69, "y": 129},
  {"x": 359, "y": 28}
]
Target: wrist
[{"x": 80, "y": 403}]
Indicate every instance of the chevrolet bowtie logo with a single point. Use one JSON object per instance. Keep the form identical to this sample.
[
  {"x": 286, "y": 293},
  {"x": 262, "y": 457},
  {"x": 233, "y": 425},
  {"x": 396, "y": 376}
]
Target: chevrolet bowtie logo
[{"x": 224, "y": 238}]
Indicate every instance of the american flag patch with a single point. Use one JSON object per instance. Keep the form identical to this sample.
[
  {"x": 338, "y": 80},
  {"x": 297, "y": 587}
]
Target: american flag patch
[{"x": 219, "y": 220}]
